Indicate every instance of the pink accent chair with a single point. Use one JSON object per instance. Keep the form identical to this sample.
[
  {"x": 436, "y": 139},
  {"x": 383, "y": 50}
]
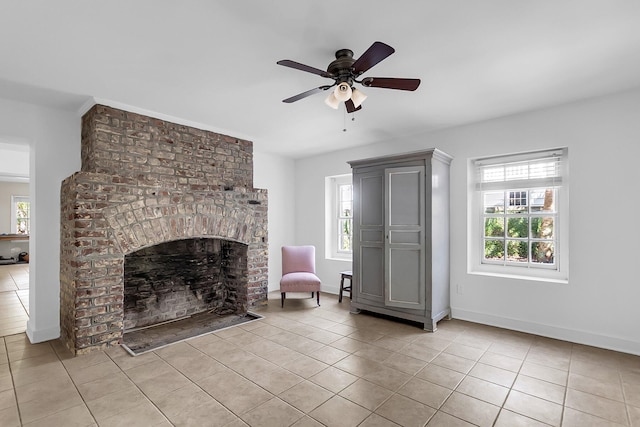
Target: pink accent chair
[{"x": 299, "y": 271}]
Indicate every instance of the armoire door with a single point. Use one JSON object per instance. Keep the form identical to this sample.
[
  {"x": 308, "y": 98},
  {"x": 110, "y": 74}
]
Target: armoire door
[
  {"x": 369, "y": 226},
  {"x": 404, "y": 237}
]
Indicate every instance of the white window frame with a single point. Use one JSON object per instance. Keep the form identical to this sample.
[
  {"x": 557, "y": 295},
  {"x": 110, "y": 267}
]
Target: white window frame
[
  {"x": 558, "y": 271},
  {"x": 333, "y": 216},
  {"x": 14, "y": 212}
]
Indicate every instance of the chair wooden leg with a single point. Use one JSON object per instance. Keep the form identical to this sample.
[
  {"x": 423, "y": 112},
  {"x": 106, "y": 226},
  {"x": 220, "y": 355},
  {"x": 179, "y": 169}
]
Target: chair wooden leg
[
  {"x": 282, "y": 297},
  {"x": 341, "y": 288},
  {"x": 318, "y": 298}
]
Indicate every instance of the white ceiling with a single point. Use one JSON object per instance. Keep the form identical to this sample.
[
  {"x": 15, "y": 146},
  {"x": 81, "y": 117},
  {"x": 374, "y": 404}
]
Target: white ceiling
[{"x": 214, "y": 62}]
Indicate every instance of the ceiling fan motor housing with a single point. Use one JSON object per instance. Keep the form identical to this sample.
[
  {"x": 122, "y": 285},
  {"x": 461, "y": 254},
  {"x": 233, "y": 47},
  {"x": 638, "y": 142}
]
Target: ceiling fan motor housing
[{"x": 342, "y": 67}]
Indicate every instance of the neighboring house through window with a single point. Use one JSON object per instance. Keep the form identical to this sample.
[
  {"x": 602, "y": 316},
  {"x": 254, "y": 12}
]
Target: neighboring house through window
[
  {"x": 338, "y": 217},
  {"x": 20, "y": 215},
  {"x": 519, "y": 215}
]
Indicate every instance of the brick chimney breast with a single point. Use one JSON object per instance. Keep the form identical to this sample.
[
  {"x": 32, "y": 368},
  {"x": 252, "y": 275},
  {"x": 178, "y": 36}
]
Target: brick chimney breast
[{"x": 145, "y": 182}]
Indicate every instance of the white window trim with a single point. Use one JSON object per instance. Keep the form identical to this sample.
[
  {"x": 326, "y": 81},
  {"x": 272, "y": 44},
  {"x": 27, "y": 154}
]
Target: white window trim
[
  {"x": 476, "y": 228},
  {"x": 14, "y": 218},
  {"x": 331, "y": 217}
]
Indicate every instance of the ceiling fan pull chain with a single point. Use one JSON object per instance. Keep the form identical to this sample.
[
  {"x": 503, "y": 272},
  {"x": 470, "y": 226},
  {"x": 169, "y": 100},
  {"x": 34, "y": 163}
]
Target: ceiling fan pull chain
[{"x": 344, "y": 119}]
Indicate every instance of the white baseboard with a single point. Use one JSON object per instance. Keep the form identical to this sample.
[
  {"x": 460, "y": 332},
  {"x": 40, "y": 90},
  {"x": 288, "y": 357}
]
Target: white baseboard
[
  {"x": 42, "y": 335},
  {"x": 335, "y": 290},
  {"x": 571, "y": 335}
]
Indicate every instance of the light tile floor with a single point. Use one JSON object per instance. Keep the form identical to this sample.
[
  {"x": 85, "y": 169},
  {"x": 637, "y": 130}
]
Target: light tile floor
[
  {"x": 314, "y": 366},
  {"x": 14, "y": 298}
]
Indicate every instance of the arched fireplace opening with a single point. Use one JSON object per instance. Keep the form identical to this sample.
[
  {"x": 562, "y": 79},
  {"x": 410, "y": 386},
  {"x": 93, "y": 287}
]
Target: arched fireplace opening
[{"x": 180, "y": 278}]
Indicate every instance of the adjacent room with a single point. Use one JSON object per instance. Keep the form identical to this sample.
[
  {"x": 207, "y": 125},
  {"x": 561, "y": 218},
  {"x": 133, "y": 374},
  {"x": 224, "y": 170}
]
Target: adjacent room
[
  {"x": 14, "y": 238},
  {"x": 450, "y": 173}
]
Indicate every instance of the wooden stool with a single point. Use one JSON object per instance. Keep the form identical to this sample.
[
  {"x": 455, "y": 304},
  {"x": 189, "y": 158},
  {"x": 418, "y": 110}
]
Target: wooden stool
[{"x": 346, "y": 275}]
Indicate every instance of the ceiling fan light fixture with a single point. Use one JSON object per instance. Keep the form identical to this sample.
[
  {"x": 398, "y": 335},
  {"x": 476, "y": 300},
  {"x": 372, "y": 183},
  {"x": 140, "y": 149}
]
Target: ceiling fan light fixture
[
  {"x": 358, "y": 97},
  {"x": 342, "y": 92},
  {"x": 345, "y": 71},
  {"x": 332, "y": 101}
]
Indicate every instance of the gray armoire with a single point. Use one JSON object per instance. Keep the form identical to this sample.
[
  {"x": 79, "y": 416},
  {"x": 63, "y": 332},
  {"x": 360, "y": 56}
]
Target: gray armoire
[{"x": 401, "y": 236}]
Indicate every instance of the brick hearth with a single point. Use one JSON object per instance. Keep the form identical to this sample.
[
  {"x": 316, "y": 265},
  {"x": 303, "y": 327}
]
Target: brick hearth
[{"x": 143, "y": 182}]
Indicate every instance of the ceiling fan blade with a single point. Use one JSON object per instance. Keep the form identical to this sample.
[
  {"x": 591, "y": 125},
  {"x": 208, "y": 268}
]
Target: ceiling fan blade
[
  {"x": 376, "y": 53},
  {"x": 351, "y": 107},
  {"x": 391, "y": 83},
  {"x": 302, "y": 67},
  {"x": 305, "y": 94}
]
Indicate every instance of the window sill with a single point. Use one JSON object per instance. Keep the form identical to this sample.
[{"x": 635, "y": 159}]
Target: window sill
[
  {"x": 335, "y": 258},
  {"x": 561, "y": 281}
]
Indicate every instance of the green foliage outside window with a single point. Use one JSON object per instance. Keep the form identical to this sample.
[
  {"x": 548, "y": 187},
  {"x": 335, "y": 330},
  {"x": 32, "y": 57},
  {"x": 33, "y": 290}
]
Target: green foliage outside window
[
  {"x": 345, "y": 238},
  {"x": 522, "y": 236},
  {"x": 346, "y": 232},
  {"x": 22, "y": 217}
]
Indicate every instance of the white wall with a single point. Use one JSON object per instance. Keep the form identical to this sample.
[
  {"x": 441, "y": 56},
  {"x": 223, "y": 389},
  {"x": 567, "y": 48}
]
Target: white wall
[
  {"x": 54, "y": 140},
  {"x": 276, "y": 174},
  {"x": 310, "y": 176},
  {"x": 600, "y": 304}
]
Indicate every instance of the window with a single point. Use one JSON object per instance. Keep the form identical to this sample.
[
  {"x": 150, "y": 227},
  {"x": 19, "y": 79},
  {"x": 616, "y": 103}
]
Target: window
[
  {"x": 20, "y": 215},
  {"x": 338, "y": 217},
  {"x": 520, "y": 201},
  {"x": 345, "y": 220}
]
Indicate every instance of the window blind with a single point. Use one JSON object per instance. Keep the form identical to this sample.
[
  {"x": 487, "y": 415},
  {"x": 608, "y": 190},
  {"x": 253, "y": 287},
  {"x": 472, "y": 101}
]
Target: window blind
[{"x": 537, "y": 169}]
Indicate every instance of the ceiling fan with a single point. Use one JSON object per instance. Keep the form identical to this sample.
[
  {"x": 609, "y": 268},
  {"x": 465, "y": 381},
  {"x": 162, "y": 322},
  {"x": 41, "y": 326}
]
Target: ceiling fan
[{"x": 345, "y": 71}]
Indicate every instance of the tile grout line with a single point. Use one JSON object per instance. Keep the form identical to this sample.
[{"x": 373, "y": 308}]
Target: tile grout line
[
  {"x": 236, "y": 372},
  {"x": 566, "y": 386},
  {"x": 624, "y": 397},
  {"x": 137, "y": 386},
  {"x": 394, "y": 393},
  {"x": 74, "y": 383},
  {"x": 14, "y": 293},
  {"x": 13, "y": 383},
  {"x": 306, "y": 379},
  {"x": 216, "y": 360},
  {"x": 624, "y": 401},
  {"x": 511, "y": 389},
  {"x": 463, "y": 378},
  {"x": 26, "y": 309}
]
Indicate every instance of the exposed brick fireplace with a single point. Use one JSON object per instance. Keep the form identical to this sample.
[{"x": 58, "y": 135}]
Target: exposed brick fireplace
[{"x": 148, "y": 187}]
